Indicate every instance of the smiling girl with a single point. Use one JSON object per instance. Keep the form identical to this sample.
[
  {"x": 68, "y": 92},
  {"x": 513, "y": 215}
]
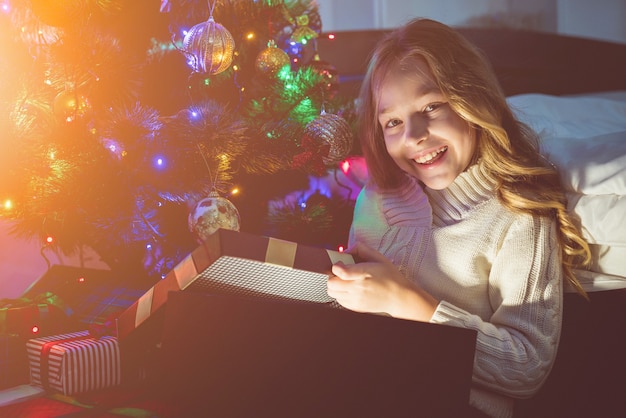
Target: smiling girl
[{"x": 463, "y": 222}]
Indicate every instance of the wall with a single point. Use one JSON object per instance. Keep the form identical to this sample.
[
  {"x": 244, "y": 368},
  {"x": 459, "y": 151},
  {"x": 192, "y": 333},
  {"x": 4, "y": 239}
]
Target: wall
[
  {"x": 600, "y": 19},
  {"x": 24, "y": 260}
]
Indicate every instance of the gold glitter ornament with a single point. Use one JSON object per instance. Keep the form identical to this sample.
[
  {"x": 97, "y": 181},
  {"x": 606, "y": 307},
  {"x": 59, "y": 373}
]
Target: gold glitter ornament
[
  {"x": 212, "y": 213},
  {"x": 209, "y": 46},
  {"x": 271, "y": 60},
  {"x": 333, "y": 131},
  {"x": 70, "y": 105}
]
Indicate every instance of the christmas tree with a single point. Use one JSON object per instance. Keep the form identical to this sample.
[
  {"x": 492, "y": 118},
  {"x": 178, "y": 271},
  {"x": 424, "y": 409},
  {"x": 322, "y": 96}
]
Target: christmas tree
[{"x": 138, "y": 127}]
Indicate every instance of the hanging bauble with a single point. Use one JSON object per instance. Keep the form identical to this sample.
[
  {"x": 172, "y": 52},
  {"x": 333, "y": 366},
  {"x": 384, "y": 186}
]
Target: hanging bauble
[
  {"x": 329, "y": 73},
  {"x": 212, "y": 213},
  {"x": 303, "y": 32},
  {"x": 209, "y": 46},
  {"x": 332, "y": 132},
  {"x": 272, "y": 60},
  {"x": 58, "y": 12},
  {"x": 70, "y": 105}
]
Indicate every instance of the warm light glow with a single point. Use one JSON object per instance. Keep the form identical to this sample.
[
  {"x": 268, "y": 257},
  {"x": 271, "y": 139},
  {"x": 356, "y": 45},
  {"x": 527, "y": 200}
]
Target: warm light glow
[
  {"x": 8, "y": 204},
  {"x": 81, "y": 280},
  {"x": 49, "y": 239},
  {"x": 345, "y": 166},
  {"x": 234, "y": 191},
  {"x": 250, "y": 35},
  {"x": 35, "y": 329},
  {"x": 341, "y": 248},
  {"x": 331, "y": 36}
]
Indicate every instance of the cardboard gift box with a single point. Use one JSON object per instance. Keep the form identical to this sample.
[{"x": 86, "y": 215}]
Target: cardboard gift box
[
  {"x": 13, "y": 362},
  {"x": 74, "y": 363},
  {"x": 44, "y": 314},
  {"x": 95, "y": 296},
  {"x": 238, "y": 263}
]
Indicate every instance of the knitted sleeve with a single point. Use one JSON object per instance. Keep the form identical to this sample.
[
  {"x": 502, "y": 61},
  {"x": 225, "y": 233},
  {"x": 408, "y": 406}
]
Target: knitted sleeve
[
  {"x": 516, "y": 348},
  {"x": 396, "y": 222}
]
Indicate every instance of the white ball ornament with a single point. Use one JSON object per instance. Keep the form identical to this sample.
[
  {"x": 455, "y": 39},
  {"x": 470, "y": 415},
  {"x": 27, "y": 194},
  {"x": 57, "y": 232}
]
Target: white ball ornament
[{"x": 212, "y": 213}]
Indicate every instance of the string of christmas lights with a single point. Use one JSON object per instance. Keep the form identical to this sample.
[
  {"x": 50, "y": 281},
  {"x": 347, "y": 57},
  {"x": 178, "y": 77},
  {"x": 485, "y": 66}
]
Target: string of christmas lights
[{"x": 119, "y": 118}]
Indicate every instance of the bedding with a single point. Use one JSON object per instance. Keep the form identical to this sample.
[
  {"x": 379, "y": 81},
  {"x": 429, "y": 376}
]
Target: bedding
[{"x": 585, "y": 138}]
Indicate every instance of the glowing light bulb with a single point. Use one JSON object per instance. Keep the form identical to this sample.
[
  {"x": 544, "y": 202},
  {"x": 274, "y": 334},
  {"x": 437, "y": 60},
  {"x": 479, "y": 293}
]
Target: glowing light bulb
[{"x": 345, "y": 166}]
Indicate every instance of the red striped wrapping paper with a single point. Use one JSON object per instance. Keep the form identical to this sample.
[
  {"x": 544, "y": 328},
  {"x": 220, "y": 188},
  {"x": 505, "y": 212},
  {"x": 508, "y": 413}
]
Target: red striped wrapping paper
[
  {"x": 74, "y": 363},
  {"x": 241, "y": 263}
]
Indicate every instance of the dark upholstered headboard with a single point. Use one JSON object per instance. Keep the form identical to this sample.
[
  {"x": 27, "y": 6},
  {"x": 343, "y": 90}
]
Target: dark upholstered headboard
[{"x": 524, "y": 61}]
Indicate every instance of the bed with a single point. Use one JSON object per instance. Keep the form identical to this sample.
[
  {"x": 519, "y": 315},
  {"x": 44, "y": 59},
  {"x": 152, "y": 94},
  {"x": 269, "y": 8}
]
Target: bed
[{"x": 572, "y": 91}]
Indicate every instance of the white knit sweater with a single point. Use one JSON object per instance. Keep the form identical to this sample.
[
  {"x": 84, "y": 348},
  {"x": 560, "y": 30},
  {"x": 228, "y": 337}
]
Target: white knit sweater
[{"x": 494, "y": 271}]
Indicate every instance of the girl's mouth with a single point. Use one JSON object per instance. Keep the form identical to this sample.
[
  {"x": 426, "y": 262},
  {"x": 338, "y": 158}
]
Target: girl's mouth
[{"x": 431, "y": 157}]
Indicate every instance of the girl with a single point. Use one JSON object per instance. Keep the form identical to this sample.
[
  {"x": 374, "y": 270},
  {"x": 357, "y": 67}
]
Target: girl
[{"x": 463, "y": 222}]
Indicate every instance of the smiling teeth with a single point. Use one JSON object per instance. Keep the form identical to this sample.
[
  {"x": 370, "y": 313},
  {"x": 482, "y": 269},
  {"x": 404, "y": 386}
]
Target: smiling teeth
[{"x": 428, "y": 158}]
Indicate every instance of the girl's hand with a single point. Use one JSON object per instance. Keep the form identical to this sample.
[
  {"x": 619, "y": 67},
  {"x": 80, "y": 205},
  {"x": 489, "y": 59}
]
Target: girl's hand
[{"x": 376, "y": 285}]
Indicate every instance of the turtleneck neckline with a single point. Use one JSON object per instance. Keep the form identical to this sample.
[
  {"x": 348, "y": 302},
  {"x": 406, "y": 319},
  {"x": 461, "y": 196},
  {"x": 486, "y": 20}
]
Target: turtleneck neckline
[{"x": 470, "y": 189}]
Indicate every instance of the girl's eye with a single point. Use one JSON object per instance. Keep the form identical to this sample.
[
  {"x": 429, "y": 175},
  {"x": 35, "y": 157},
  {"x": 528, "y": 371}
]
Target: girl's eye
[
  {"x": 392, "y": 123},
  {"x": 432, "y": 107}
]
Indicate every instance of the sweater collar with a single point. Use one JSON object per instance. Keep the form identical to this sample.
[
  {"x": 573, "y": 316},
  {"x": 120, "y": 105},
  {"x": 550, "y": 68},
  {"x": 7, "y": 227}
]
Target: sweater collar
[{"x": 471, "y": 188}]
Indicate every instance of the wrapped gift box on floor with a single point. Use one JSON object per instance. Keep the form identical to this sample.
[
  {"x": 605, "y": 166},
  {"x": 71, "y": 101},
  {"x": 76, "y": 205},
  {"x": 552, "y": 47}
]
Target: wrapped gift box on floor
[
  {"x": 239, "y": 263},
  {"x": 74, "y": 363}
]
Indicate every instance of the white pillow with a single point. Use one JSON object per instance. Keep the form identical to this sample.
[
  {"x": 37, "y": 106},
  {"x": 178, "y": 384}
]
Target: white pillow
[
  {"x": 592, "y": 165},
  {"x": 608, "y": 260},
  {"x": 584, "y": 136},
  {"x": 603, "y": 218},
  {"x": 570, "y": 116}
]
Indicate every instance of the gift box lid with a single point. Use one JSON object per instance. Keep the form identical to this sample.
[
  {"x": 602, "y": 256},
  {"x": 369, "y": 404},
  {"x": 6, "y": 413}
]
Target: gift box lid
[{"x": 232, "y": 262}]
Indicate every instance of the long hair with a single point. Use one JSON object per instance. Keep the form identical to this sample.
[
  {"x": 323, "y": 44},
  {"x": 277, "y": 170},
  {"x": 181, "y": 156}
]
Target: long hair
[{"x": 525, "y": 181}]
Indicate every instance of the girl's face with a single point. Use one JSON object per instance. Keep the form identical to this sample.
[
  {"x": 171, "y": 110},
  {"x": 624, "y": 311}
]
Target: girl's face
[{"x": 423, "y": 135}]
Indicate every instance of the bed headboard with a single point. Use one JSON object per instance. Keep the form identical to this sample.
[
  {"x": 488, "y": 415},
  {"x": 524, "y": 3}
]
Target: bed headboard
[{"x": 524, "y": 61}]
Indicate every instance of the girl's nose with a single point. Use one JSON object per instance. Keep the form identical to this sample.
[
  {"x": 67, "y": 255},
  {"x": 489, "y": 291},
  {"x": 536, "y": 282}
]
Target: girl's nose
[{"x": 417, "y": 130}]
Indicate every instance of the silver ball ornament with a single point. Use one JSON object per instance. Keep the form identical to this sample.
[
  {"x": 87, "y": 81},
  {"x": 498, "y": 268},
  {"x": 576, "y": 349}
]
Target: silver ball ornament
[
  {"x": 334, "y": 131},
  {"x": 210, "y": 47},
  {"x": 212, "y": 213}
]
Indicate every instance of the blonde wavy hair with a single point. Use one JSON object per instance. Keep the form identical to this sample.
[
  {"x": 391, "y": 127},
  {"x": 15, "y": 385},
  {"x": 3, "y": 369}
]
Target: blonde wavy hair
[{"x": 526, "y": 181}]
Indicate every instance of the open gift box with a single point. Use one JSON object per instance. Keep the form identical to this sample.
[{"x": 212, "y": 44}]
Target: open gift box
[{"x": 238, "y": 263}]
